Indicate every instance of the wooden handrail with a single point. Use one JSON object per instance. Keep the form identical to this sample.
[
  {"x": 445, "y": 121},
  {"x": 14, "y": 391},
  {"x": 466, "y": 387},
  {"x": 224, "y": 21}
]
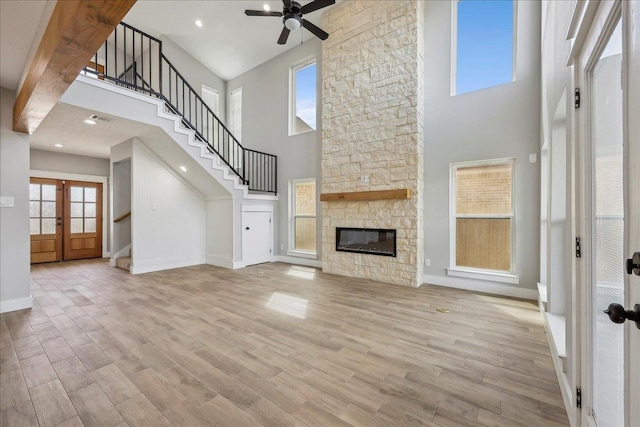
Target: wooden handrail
[{"x": 122, "y": 217}]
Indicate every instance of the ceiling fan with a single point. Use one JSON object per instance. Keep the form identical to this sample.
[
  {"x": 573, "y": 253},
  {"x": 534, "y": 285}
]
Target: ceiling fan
[{"x": 292, "y": 17}]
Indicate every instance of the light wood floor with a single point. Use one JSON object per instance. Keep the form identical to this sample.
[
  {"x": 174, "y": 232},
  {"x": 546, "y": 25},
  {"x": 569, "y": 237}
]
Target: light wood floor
[{"x": 271, "y": 345}]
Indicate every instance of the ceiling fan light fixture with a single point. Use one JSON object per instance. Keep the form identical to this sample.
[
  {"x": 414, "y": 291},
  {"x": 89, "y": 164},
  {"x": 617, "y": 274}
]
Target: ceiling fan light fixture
[{"x": 292, "y": 23}]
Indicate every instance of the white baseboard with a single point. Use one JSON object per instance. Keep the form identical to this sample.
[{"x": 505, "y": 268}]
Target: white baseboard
[
  {"x": 299, "y": 261},
  {"x": 165, "y": 264},
  {"x": 16, "y": 304},
  {"x": 481, "y": 286},
  {"x": 565, "y": 387},
  {"x": 238, "y": 264},
  {"x": 220, "y": 261}
]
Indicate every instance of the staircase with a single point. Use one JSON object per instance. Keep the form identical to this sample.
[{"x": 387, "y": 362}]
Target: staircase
[
  {"x": 130, "y": 77},
  {"x": 124, "y": 263},
  {"x": 134, "y": 60}
]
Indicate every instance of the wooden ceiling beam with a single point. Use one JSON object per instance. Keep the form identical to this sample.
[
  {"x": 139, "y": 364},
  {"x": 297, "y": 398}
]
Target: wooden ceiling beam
[{"x": 75, "y": 32}]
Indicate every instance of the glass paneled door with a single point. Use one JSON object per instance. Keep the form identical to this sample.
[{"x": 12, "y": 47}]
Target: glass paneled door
[
  {"x": 65, "y": 220},
  {"x": 609, "y": 146},
  {"x": 82, "y": 220},
  {"x": 45, "y": 220},
  {"x": 607, "y": 283}
]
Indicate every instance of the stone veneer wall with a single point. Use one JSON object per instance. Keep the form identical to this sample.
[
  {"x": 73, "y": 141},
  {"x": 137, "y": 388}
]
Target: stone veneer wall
[{"x": 372, "y": 121}]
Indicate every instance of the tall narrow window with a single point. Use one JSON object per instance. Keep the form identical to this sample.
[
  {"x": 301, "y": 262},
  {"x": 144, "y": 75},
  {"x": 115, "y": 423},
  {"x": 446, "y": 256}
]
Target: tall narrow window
[
  {"x": 302, "y": 114},
  {"x": 483, "y": 216},
  {"x": 211, "y": 97},
  {"x": 483, "y": 40},
  {"x": 302, "y": 220},
  {"x": 235, "y": 113}
]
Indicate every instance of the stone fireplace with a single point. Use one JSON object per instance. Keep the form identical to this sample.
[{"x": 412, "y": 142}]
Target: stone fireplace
[{"x": 372, "y": 138}]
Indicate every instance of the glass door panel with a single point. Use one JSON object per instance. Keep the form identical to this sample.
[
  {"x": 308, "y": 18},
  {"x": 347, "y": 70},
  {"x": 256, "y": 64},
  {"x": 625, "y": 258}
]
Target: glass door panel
[{"x": 608, "y": 228}]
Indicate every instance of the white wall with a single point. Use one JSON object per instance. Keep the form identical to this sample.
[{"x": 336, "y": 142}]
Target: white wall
[
  {"x": 195, "y": 73},
  {"x": 168, "y": 216},
  {"x": 220, "y": 225},
  {"x": 70, "y": 163},
  {"x": 498, "y": 122},
  {"x": 265, "y": 114},
  {"x": 121, "y": 199},
  {"x": 15, "y": 292}
]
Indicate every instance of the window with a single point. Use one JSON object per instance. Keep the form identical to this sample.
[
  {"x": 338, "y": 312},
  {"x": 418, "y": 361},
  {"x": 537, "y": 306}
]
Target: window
[
  {"x": 482, "y": 44},
  {"x": 235, "y": 113},
  {"x": 302, "y": 218},
  {"x": 211, "y": 130},
  {"x": 482, "y": 220},
  {"x": 211, "y": 97},
  {"x": 303, "y": 102}
]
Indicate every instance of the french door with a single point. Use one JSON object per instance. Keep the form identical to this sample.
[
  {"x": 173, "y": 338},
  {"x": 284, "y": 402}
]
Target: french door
[
  {"x": 65, "y": 220},
  {"x": 609, "y": 139}
]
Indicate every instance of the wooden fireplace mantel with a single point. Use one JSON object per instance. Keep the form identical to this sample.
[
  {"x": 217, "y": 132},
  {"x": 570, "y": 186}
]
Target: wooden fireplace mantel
[{"x": 360, "y": 196}]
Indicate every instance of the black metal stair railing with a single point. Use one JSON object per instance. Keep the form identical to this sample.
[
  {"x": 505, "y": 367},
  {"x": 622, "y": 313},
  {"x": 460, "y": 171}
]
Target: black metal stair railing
[{"x": 134, "y": 59}]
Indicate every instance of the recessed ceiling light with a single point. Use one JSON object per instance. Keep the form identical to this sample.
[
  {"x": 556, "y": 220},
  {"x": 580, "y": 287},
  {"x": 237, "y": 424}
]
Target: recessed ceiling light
[
  {"x": 90, "y": 122},
  {"x": 199, "y": 23},
  {"x": 183, "y": 169},
  {"x": 266, "y": 7},
  {"x": 58, "y": 145}
]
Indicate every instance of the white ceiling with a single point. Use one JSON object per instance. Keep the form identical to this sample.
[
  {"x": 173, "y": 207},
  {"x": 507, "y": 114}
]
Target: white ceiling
[
  {"x": 64, "y": 125},
  {"x": 229, "y": 43}
]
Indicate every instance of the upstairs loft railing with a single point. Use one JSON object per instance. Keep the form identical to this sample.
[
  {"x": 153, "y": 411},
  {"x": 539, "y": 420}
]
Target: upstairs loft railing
[{"x": 133, "y": 59}]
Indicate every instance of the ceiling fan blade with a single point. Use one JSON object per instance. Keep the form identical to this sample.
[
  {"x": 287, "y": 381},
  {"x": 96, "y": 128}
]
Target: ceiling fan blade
[
  {"x": 287, "y": 3},
  {"x": 320, "y": 33},
  {"x": 261, "y": 13},
  {"x": 284, "y": 35},
  {"x": 315, "y": 5}
]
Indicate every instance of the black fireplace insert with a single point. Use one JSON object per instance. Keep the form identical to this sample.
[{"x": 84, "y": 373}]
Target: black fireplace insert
[{"x": 373, "y": 241}]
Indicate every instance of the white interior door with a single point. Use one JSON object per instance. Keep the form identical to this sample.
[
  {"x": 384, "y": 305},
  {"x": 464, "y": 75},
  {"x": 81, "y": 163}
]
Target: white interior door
[
  {"x": 256, "y": 237},
  {"x": 610, "y": 138}
]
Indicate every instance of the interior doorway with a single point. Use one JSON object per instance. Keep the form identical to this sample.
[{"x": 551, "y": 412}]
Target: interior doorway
[{"x": 65, "y": 220}]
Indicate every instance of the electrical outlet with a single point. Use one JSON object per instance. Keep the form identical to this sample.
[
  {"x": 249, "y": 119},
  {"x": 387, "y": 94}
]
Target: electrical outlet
[
  {"x": 427, "y": 262},
  {"x": 364, "y": 178},
  {"x": 533, "y": 158}
]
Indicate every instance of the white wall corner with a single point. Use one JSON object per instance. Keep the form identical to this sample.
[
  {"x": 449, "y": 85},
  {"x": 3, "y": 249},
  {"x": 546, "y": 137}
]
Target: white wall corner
[
  {"x": 220, "y": 261},
  {"x": 16, "y": 304},
  {"x": 481, "y": 286}
]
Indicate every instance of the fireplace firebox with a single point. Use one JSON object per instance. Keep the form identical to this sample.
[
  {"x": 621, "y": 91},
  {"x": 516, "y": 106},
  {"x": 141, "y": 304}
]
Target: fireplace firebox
[{"x": 372, "y": 241}]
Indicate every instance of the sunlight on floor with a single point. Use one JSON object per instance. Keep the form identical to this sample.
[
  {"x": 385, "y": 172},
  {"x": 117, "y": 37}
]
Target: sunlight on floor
[
  {"x": 287, "y": 304},
  {"x": 302, "y": 272}
]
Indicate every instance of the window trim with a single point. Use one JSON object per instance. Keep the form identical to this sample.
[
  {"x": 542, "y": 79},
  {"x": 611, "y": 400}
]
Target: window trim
[
  {"x": 291, "y": 251},
  {"x": 230, "y": 113},
  {"x": 453, "y": 89},
  {"x": 215, "y": 92},
  {"x": 292, "y": 92},
  {"x": 481, "y": 273}
]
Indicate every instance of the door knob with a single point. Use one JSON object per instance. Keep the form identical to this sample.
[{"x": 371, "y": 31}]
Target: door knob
[
  {"x": 633, "y": 264},
  {"x": 618, "y": 314}
]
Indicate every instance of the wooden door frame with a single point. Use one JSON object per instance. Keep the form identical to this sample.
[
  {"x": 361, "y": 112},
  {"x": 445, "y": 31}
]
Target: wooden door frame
[
  {"x": 66, "y": 217},
  {"x": 104, "y": 180},
  {"x": 59, "y": 215}
]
